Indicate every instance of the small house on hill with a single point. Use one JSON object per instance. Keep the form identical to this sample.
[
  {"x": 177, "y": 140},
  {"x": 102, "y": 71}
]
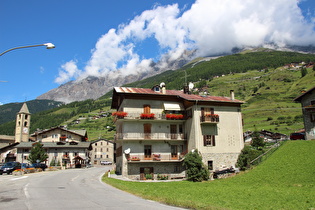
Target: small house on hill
[{"x": 307, "y": 100}]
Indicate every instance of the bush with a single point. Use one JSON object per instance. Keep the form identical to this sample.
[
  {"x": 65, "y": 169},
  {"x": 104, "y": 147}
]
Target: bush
[
  {"x": 247, "y": 155},
  {"x": 196, "y": 171}
]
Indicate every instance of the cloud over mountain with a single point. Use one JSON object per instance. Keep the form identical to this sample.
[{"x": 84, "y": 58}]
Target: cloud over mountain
[{"x": 208, "y": 26}]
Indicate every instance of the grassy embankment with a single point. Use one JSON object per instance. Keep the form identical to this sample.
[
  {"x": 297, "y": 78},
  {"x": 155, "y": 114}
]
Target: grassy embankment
[{"x": 284, "y": 181}]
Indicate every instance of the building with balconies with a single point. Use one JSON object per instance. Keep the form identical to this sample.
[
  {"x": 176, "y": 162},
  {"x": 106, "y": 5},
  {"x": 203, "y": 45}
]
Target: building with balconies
[{"x": 156, "y": 127}]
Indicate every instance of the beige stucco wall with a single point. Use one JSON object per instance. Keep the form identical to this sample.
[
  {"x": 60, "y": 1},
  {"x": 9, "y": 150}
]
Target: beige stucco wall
[
  {"x": 229, "y": 138},
  {"x": 102, "y": 151},
  {"x": 54, "y": 135},
  {"x": 53, "y": 154}
]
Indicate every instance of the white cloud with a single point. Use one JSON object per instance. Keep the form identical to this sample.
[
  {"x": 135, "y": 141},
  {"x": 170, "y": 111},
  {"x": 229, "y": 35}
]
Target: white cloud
[
  {"x": 209, "y": 26},
  {"x": 68, "y": 71}
]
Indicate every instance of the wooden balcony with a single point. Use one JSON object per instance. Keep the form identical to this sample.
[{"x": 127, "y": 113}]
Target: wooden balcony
[
  {"x": 210, "y": 119},
  {"x": 151, "y": 136}
]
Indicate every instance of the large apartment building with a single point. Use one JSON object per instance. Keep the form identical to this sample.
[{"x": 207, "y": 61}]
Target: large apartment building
[{"x": 156, "y": 127}]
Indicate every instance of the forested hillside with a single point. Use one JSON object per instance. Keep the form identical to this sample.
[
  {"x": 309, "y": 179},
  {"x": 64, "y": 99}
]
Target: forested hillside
[
  {"x": 259, "y": 78},
  {"x": 8, "y": 111}
]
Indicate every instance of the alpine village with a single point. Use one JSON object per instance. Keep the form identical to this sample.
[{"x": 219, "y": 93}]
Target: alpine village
[{"x": 212, "y": 121}]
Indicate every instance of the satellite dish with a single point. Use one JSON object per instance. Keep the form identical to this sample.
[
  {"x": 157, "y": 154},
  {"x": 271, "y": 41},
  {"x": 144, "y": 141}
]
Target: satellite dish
[
  {"x": 162, "y": 84},
  {"x": 191, "y": 86},
  {"x": 127, "y": 151}
]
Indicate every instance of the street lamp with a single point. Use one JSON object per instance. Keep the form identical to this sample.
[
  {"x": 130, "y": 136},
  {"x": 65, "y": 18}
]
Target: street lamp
[{"x": 48, "y": 46}]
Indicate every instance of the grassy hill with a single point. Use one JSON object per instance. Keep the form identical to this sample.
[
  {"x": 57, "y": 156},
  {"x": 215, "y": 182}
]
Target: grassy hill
[{"x": 284, "y": 181}]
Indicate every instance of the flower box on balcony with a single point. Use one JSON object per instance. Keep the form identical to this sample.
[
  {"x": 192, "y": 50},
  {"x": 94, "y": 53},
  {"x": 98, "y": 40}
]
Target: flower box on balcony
[
  {"x": 157, "y": 157},
  {"x": 174, "y": 116},
  {"x": 120, "y": 115},
  {"x": 147, "y": 116},
  {"x": 210, "y": 118},
  {"x": 135, "y": 159}
]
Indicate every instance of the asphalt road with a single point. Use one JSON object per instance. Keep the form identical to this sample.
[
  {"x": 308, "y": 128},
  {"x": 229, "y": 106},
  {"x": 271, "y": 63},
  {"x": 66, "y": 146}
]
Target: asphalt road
[{"x": 67, "y": 189}]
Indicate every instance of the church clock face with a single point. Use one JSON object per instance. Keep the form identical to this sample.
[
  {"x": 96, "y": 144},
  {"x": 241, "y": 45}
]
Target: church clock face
[{"x": 25, "y": 130}]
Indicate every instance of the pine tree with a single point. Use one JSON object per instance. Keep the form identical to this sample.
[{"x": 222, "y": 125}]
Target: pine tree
[{"x": 37, "y": 153}]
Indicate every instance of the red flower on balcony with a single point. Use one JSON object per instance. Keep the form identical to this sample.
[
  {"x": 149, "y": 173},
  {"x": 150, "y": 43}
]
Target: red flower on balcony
[
  {"x": 120, "y": 114},
  {"x": 147, "y": 116},
  {"x": 212, "y": 115},
  {"x": 174, "y": 116}
]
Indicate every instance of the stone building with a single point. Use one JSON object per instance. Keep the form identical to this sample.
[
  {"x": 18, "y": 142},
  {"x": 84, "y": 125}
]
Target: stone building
[{"x": 307, "y": 101}]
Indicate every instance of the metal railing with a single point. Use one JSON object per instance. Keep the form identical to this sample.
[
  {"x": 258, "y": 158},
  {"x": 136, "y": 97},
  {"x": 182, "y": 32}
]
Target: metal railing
[
  {"x": 156, "y": 157},
  {"x": 157, "y": 116},
  {"x": 150, "y": 136},
  {"x": 209, "y": 119}
]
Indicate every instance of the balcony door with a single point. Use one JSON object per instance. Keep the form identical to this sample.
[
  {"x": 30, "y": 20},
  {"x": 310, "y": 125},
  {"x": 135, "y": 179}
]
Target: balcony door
[
  {"x": 173, "y": 131},
  {"x": 146, "y": 109},
  {"x": 147, "y": 130},
  {"x": 174, "y": 152},
  {"x": 147, "y": 151}
]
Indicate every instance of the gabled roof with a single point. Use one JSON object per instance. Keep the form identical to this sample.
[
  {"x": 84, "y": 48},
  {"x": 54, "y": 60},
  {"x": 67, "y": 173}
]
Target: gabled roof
[
  {"x": 77, "y": 132},
  {"x": 299, "y": 98},
  {"x": 95, "y": 141},
  {"x": 150, "y": 93}
]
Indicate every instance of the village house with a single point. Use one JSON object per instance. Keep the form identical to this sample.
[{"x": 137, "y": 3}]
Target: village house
[
  {"x": 101, "y": 150},
  {"x": 307, "y": 101},
  {"x": 156, "y": 127},
  {"x": 64, "y": 147}
]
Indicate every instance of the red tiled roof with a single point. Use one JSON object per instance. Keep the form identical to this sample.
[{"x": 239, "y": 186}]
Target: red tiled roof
[{"x": 189, "y": 97}]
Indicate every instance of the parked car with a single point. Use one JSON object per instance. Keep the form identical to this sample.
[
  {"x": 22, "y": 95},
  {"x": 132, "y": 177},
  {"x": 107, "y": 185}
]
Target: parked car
[
  {"x": 43, "y": 166},
  {"x": 9, "y": 167},
  {"x": 297, "y": 136},
  {"x": 105, "y": 162},
  {"x": 25, "y": 165}
]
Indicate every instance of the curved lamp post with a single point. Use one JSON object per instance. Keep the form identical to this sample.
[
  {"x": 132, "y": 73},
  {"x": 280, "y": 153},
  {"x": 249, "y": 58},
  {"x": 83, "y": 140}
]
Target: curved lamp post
[{"x": 48, "y": 46}]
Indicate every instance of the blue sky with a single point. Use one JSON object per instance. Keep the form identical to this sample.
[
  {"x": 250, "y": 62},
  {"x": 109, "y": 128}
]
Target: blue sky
[{"x": 101, "y": 37}]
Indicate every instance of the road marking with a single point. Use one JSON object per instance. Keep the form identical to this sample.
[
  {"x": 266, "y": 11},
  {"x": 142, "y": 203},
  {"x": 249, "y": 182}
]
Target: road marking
[
  {"x": 74, "y": 178},
  {"x": 27, "y": 195},
  {"x": 22, "y": 177}
]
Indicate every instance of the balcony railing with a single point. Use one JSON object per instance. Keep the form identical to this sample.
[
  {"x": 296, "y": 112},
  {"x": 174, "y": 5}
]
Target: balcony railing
[
  {"x": 210, "y": 119},
  {"x": 152, "y": 116},
  {"x": 156, "y": 157},
  {"x": 150, "y": 136}
]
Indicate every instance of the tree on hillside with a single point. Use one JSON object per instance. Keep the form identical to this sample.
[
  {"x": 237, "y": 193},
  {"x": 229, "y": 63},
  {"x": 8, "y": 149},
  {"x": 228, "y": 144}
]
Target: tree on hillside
[
  {"x": 303, "y": 72},
  {"x": 37, "y": 153},
  {"x": 196, "y": 171},
  {"x": 248, "y": 154},
  {"x": 257, "y": 141}
]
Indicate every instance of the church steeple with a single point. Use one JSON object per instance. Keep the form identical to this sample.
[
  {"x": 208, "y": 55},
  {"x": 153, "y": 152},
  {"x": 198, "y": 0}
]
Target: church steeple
[{"x": 23, "y": 120}]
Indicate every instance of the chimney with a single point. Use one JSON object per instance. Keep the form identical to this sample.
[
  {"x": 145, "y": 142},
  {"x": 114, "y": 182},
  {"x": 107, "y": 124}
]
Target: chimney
[
  {"x": 232, "y": 94},
  {"x": 162, "y": 85}
]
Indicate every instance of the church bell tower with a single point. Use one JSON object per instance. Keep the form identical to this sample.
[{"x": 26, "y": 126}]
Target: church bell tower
[{"x": 23, "y": 120}]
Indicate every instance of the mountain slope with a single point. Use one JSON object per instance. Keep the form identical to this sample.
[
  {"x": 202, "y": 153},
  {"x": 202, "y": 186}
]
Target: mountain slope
[
  {"x": 94, "y": 87},
  {"x": 268, "y": 92}
]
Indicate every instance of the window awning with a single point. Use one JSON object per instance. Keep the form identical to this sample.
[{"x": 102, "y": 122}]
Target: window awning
[
  {"x": 173, "y": 106},
  {"x": 210, "y": 129}
]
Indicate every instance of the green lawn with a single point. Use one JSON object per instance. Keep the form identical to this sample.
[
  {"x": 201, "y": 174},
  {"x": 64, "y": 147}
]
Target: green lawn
[{"x": 286, "y": 180}]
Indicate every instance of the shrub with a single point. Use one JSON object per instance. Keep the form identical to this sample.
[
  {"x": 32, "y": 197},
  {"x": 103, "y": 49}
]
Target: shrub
[
  {"x": 196, "y": 171},
  {"x": 247, "y": 155}
]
